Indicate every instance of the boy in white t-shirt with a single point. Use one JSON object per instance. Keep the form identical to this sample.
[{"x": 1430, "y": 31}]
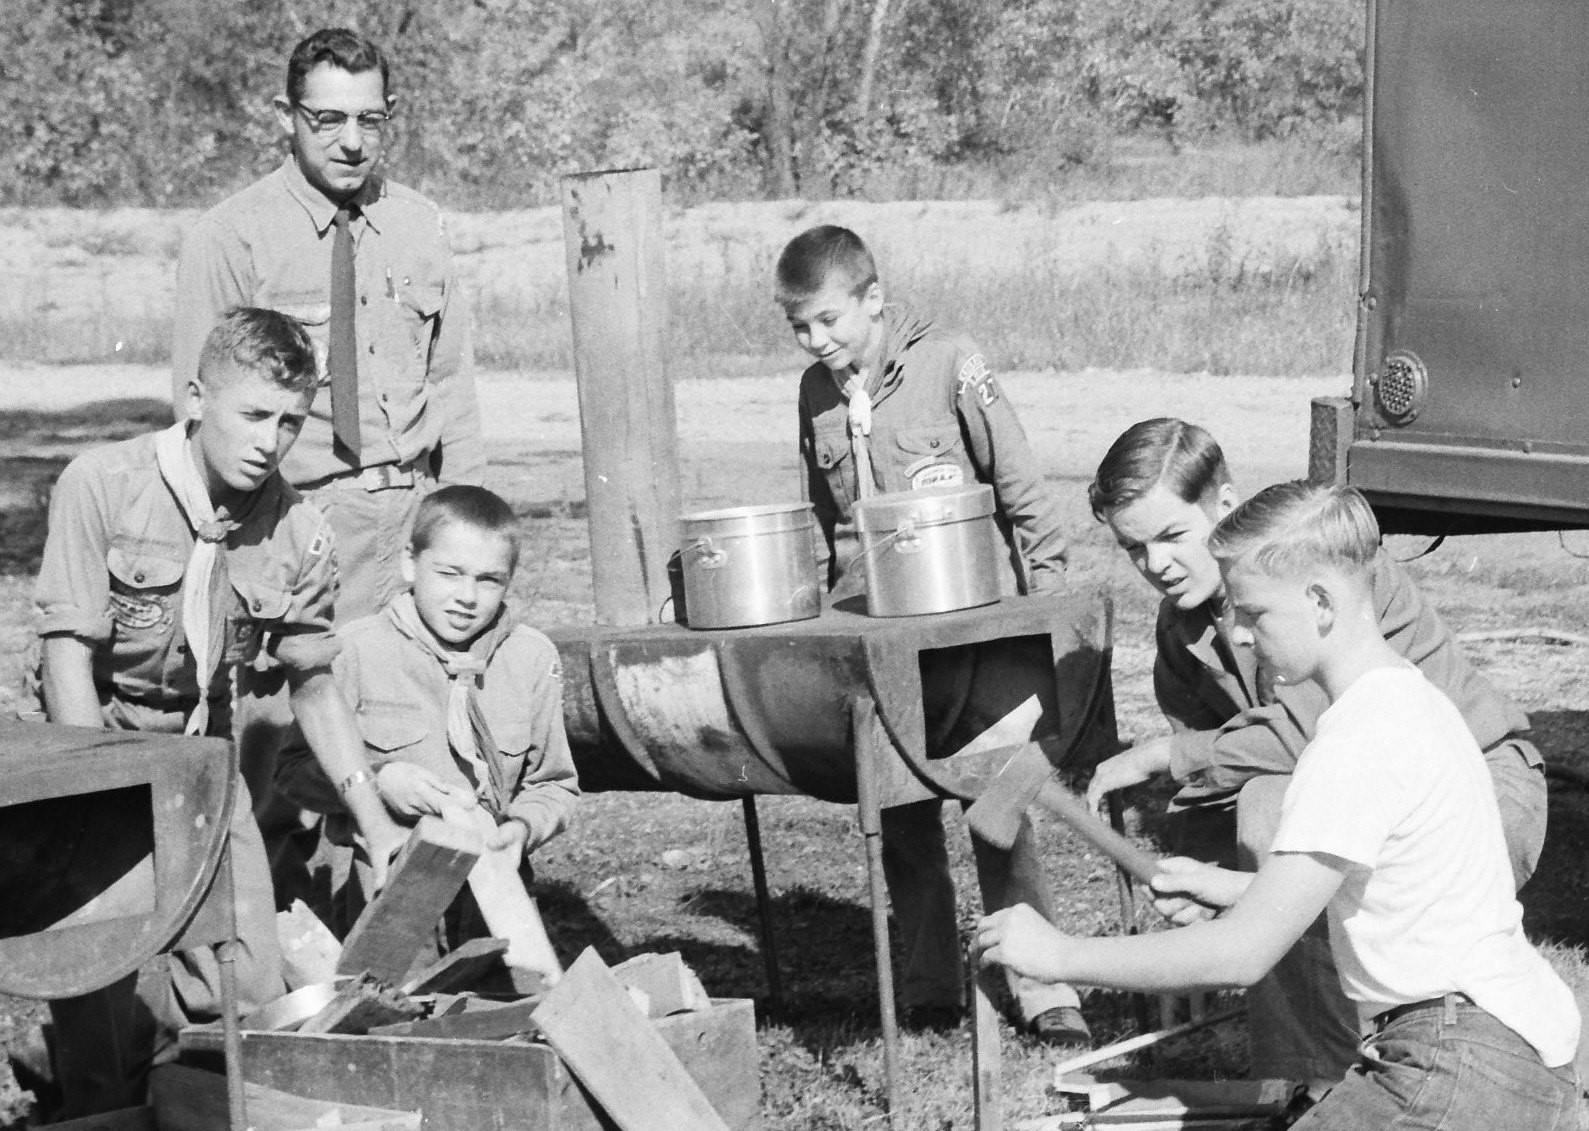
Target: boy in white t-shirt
[{"x": 1390, "y": 826}]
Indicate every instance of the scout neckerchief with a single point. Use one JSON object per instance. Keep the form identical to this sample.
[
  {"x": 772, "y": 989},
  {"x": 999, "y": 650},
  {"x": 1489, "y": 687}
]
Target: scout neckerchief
[
  {"x": 468, "y": 733},
  {"x": 204, "y": 581},
  {"x": 852, "y": 387}
]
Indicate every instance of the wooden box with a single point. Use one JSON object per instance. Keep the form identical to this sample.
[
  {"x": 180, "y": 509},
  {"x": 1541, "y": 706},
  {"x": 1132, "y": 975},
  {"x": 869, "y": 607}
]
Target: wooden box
[{"x": 495, "y": 1085}]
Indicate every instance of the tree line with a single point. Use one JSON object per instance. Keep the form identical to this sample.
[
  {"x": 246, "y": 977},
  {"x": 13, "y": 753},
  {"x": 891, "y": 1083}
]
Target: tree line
[{"x": 167, "y": 102}]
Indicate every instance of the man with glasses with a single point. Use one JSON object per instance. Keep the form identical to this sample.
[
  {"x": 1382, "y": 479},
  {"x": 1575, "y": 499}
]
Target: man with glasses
[{"x": 365, "y": 266}]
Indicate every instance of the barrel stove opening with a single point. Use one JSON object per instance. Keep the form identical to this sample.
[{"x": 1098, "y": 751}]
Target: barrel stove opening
[
  {"x": 69, "y": 861},
  {"x": 991, "y": 693}
]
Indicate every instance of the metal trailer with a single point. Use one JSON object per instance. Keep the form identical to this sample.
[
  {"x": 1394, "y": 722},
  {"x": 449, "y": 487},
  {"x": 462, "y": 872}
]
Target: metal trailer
[{"x": 1470, "y": 399}]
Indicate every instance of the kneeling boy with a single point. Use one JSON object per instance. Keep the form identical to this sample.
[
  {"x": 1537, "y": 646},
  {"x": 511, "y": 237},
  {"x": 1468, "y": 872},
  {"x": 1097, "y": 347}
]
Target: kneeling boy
[
  {"x": 172, "y": 558},
  {"x": 460, "y": 707},
  {"x": 1468, "y": 1026}
]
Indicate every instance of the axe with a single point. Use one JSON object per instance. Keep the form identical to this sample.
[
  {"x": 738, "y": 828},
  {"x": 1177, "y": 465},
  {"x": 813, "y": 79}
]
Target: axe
[{"x": 1028, "y": 779}]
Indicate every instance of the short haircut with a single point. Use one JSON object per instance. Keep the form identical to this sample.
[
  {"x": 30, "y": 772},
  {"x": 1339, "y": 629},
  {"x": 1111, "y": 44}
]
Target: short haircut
[
  {"x": 1289, "y": 527},
  {"x": 468, "y": 505},
  {"x": 344, "y": 49},
  {"x": 821, "y": 256},
  {"x": 1182, "y": 456},
  {"x": 268, "y": 343}
]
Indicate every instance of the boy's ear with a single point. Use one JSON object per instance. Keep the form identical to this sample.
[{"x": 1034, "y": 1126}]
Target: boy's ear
[
  {"x": 1225, "y": 501},
  {"x": 407, "y": 566},
  {"x": 1326, "y": 606},
  {"x": 872, "y": 300},
  {"x": 193, "y": 403}
]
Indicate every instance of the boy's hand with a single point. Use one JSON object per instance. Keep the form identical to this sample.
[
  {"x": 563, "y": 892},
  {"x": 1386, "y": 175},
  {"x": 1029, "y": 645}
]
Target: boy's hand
[
  {"x": 381, "y": 844},
  {"x": 511, "y": 834},
  {"x": 413, "y": 791},
  {"x": 1187, "y": 891},
  {"x": 1020, "y": 939},
  {"x": 1128, "y": 768}
]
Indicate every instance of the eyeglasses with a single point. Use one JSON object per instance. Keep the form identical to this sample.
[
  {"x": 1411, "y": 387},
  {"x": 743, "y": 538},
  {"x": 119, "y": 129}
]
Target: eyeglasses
[{"x": 329, "y": 123}]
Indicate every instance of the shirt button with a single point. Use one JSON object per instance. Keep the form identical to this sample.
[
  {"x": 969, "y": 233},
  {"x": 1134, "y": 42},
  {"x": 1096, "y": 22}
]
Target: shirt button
[
  {"x": 258, "y": 604},
  {"x": 364, "y": 300},
  {"x": 372, "y": 348},
  {"x": 138, "y": 577}
]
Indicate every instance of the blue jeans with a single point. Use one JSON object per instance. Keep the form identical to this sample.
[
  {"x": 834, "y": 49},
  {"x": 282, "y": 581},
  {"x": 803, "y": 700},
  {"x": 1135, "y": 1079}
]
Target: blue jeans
[{"x": 1449, "y": 1065}]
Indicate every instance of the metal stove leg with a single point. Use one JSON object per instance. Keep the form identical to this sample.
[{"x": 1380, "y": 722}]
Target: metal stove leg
[
  {"x": 867, "y": 750},
  {"x": 758, "y": 875},
  {"x": 231, "y": 1037}
]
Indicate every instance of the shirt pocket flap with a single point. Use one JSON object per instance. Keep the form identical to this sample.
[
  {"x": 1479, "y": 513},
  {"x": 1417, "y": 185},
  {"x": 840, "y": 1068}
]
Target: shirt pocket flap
[
  {"x": 933, "y": 440},
  {"x": 261, "y": 599},
  {"x": 513, "y": 739},
  {"x": 424, "y": 299},
  {"x": 832, "y": 448},
  {"x": 143, "y": 571},
  {"x": 390, "y": 727},
  {"x": 313, "y": 309}
]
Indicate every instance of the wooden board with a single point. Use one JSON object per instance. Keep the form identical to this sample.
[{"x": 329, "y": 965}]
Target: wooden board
[
  {"x": 504, "y": 1086},
  {"x": 609, "y": 1045},
  {"x": 188, "y": 1099},
  {"x": 667, "y": 983},
  {"x": 493, "y": 1024},
  {"x": 429, "y": 872},
  {"x": 459, "y": 969}
]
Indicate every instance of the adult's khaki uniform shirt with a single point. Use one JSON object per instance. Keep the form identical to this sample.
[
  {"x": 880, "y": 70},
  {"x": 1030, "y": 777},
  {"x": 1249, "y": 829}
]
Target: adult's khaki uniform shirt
[
  {"x": 113, "y": 568},
  {"x": 270, "y": 246},
  {"x": 938, "y": 419}
]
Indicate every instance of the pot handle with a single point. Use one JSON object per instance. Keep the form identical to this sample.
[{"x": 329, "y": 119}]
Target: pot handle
[
  {"x": 905, "y": 534},
  {"x": 711, "y": 556}
]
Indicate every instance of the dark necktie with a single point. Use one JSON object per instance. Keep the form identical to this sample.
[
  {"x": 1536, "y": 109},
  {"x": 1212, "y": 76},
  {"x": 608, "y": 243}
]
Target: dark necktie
[{"x": 342, "y": 360}]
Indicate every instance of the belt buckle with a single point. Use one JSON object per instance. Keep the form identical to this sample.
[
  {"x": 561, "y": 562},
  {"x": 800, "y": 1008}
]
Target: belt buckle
[{"x": 385, "y": 477}]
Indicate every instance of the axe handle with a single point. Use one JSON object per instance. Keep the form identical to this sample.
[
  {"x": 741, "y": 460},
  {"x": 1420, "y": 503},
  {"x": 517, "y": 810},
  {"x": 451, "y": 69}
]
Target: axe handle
[{"x": 1074, "y": 812}]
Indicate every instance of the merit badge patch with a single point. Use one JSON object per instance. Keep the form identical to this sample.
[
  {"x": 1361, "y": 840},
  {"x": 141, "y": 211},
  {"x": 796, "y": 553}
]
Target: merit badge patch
[
  {"x": 937, "y": 475},
  {"x": 129, "y": 611},
  {"x": 318, "y": 546}
]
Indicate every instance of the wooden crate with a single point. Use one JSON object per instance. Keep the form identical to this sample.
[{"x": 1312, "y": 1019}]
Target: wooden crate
[{"x": 461, "y": 1085}]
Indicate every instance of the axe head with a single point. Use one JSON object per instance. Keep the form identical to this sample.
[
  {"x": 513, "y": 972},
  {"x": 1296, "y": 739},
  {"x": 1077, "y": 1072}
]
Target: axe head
[{"x": 996, "y": 814}]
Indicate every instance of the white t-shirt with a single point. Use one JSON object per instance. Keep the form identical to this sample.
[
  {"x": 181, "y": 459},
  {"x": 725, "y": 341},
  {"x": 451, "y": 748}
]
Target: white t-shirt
[{"x": 1394, "y": 785}]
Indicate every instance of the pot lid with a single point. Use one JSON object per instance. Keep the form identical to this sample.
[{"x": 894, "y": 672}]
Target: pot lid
[{"x": 929, "y": 506}]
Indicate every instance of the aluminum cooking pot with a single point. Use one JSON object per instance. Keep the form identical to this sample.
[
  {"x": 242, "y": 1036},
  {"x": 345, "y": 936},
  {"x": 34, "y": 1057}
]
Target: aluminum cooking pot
[
  {"x": 752, "y": 565},
  {"x": 931, "y": 550}
]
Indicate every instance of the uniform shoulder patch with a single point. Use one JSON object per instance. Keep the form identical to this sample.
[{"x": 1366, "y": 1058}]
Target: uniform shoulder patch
[{"x": 976, "y": 376}]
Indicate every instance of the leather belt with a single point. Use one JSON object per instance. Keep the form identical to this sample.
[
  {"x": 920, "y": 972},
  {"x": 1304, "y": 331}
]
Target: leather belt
[
  {"x": 381, "y": 477},
  {"x": 1399, "y": 1011}
]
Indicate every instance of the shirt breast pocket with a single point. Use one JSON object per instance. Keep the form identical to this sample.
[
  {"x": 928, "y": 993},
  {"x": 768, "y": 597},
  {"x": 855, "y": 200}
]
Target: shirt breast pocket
[
  {"x": 932, "y": 455},
  {"x": 394, "y": 729},
  {"x": 831, "y": 450},
  {"x": 420, "y": 304},
  {"x": 260, "y": 604},
  {"x": 143, "y": 591}
]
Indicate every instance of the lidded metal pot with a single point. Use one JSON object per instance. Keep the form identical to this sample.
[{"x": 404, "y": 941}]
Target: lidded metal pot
[
  {"x": 932, "y": 550},
  {"x": 752, "y": 565}
]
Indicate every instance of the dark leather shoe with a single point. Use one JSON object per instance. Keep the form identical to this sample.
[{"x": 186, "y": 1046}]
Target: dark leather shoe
[
  {"x": 1062, "y": 1026},
  {"x": 931, "y": 1018}
]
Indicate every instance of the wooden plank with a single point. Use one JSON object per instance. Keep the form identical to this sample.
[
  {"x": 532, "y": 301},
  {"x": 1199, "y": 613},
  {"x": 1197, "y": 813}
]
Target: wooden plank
[
  {"x": 504, "y": 903},
  {"x": 424, "y": 879},
  {"x": 309, "y": 951},
  {"x": 610, "y": 1046},
  {"x": 359, "y": 1006},
  {"x": 497, "y": 1023},
  {"x": 189, "y": 1099},
  {"x": 459, "y": 969},
  {"x": 668, "y": 984}
]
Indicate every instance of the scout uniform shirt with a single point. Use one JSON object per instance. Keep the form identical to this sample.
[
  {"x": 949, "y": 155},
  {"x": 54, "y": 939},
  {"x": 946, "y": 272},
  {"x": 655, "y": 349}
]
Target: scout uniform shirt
[
  {"x": 938, "y": 419},
  {"x": 270, "y": 246},
  {"x": 112, "y": 575},
  {"x": 393, "y": 675}
]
